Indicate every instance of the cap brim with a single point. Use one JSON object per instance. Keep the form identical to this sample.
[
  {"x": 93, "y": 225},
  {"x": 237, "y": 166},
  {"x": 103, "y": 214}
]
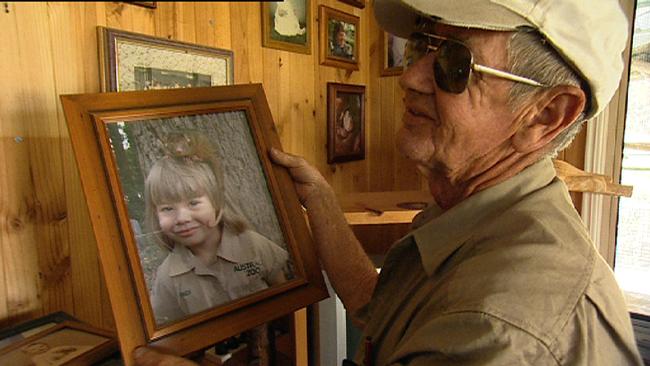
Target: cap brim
[
  {"x": 399, "y": 17},
  {"x": 395, "y": 17}
]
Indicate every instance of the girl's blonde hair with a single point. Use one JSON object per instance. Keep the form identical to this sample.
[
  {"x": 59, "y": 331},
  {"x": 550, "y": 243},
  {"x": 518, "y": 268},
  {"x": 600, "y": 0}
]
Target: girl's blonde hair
[{"x": 189, "y": 169}]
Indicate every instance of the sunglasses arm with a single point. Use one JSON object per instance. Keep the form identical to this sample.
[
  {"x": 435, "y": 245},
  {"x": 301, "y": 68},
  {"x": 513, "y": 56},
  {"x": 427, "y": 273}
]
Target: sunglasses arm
[{"x": 505, "y": 75}]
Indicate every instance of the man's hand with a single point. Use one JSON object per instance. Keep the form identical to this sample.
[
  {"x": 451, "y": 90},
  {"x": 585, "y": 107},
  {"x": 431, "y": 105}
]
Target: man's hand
[
  {"x": 145, "y": 356},
  {"x": 307, "y": 179}
]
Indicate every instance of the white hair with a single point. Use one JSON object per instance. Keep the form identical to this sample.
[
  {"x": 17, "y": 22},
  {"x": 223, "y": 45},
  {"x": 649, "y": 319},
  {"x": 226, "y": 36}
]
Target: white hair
[{"x": 530, "y": 55}]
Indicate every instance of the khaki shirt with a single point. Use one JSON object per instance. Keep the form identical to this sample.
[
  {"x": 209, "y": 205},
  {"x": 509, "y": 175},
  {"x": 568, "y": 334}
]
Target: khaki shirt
[
  {"x": 507, "y": 277},
  {"x": 184, "y": 285}
]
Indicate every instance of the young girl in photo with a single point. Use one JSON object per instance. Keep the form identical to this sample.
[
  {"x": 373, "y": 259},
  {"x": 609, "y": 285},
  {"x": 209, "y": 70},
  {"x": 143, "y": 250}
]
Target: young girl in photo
[{"x": 214, "y": 257}]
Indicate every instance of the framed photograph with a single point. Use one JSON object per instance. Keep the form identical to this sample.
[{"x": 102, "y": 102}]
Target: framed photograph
[
  {"x": 21, "y": 331},
  {"x": 286, "y": 25},
  {"x": 358, "y": 3},
  {"x": 339, "y": 38},
  {"x": 345, "y": 122},
  {"x": 132, "y": 61},
  {"x": 67, "y": 343},
  {"x": 392, "y": 55},
  {"x": 200, "y": 236},
  {"x": 145, "y": 4}
]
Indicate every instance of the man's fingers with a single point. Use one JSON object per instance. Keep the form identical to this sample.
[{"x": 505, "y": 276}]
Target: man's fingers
[
  {"x": 285, "y": 159},
  {"x": 144, "y": 356}
]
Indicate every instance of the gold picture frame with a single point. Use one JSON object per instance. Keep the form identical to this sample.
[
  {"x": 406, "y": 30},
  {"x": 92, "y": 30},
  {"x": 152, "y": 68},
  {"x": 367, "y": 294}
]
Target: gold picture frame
[
  {"x": 133, "y": 61},
  {"x": 287, "y": 26},
  {"x": 339, "y": 38}
]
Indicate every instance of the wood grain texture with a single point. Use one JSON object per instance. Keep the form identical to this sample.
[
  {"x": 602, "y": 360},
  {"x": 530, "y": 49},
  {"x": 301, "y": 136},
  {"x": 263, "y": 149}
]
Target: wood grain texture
[{"x": 48, "y": 255}]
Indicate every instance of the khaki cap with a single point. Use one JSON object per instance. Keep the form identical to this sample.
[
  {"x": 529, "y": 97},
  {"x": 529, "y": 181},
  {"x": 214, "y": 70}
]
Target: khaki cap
[{"x": 590, "y": 35}]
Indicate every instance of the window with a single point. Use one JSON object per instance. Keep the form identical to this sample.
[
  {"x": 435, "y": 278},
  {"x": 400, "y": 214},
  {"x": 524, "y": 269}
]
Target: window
[{"x": 632, "y": 255}]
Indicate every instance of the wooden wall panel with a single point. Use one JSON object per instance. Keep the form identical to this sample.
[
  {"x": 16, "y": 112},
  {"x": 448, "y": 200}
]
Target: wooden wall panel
[
  {"x": 38, "y": 192},
  {"x": 48, "y": 255},
  {"x": 77, "y": 71},
  {"x": 17, "y": 246}
]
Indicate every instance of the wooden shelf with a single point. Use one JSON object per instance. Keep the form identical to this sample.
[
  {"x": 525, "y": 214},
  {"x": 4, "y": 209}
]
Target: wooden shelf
[{"x": 378, "y": 208}]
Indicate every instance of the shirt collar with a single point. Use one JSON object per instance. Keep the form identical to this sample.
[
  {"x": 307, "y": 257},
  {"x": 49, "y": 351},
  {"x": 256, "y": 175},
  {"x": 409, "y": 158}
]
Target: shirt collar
[
  {"x": 181, "y": 259},
  {"x": 438, "y": 234}
]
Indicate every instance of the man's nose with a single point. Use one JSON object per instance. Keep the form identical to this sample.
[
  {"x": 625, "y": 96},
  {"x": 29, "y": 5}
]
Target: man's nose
[{"x": 419, "y": 75}]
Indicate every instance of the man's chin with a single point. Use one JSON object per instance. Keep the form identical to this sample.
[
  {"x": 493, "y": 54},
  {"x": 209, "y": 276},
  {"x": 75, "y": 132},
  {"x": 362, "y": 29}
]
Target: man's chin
[{"x": 415, "y": 148}]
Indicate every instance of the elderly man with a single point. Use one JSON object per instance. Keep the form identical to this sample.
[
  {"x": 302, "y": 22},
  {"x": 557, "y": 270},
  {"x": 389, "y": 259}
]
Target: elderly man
[{"x": 501, "y": 271}]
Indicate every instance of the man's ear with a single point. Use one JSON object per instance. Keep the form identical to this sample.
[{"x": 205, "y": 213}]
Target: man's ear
[{"x": 551, "y": 113}]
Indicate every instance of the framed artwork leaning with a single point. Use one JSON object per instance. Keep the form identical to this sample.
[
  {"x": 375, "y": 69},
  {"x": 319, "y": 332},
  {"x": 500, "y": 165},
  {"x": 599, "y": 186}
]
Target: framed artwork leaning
[
  {"x": 67, "y": 343},
  {"x": 132, "y": 61},
  {"x": 200, "y": 236},
  {"x": 345, "y": 122},
  {"x": 358, "y": 3},
  {"x": 339, "y": 38},
  {"x": 23, "y": 330},
  {"x": 144, "y": 4},
  {"x": 286, "y": 25}
]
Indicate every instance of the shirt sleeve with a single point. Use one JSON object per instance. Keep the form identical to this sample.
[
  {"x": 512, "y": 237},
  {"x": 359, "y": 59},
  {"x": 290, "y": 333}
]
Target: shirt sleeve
[
  {"x": 471, "y": 339},
  {"x": 164, "y": 299}
]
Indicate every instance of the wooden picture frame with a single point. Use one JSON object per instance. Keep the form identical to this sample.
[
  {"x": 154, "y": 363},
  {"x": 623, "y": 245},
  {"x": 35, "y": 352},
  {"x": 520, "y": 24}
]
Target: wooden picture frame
[
  {"x": 238, "y": 117},
  {"x": 339, "y": 38},
  {"x": 23, "y": 330},
  {"x": 345, "y": 122},
  {"x": 133, "y": 61},
  {"x": 392, "y": 54},
  {"x": 287, "y": 25},
  {"x": 144, "y": 4},
  {"x": 357, "y": 3},
  {"x": 67, "y": 343}
]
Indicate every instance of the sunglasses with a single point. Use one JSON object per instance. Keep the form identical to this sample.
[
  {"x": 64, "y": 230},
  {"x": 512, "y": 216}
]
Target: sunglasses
[{"x": 454, "y": 62}]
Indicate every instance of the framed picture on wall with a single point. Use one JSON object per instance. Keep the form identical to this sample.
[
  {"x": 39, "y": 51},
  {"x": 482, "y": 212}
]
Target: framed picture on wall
[
  {"x": 286, "y": 25},
  {"x": 358, "y": 3},
  {"x": 132, "y": 61},
  {"x": 209, "y": 238},
  {"x": 345, "y": 122},
  {"x": 339, "y": 38},
  {"x": 145, "y": 4},
  {"x": 67, "y": 343},
  {"x": 392, "y": 55}
]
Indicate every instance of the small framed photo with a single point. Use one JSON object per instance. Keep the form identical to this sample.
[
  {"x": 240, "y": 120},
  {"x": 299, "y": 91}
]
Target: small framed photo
[
  {"x": 67, "y": 343},
  {"x": 358, "y": 3},
  {"x": 132, "y": 61},
  {"x": 286, "y": 25},
  {"x": 339, "y": 38},
  {"x": 392, "y": 55},
  {"x": 345, "y": 122},
  {"x": 199, "y": 235},
  {"x": 144, "y": 4},
  {"x": 21, "y": 331}
]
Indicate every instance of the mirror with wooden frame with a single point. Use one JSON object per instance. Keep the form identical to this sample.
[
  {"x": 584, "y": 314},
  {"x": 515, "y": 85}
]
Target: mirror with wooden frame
[{"x": 200, "y": 236}]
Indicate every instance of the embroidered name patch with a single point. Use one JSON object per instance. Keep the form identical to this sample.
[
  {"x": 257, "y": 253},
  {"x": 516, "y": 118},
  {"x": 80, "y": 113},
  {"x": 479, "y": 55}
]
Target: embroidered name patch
[
  {"x": 185, "y": 293},
  {"x": 251, "y": 268}
]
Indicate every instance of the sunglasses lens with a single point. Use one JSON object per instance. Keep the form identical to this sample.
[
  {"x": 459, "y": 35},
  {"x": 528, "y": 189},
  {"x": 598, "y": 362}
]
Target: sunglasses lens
[{"x": 452, "y": 67}]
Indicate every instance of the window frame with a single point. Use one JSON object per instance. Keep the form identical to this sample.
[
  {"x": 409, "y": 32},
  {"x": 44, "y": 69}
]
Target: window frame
[{"x": 604, "y": 155}]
